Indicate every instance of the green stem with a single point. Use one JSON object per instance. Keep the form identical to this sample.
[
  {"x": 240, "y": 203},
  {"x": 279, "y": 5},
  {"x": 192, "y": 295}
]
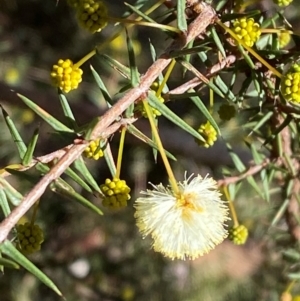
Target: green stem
[
  {"x": 172, "y": 179},
  {"x": 166, "y": 77},
  {"x": 142, "y": 23},
  {"x": 275, "y": 30},
  {"x": 85, "y": 58},
  {"x": 120, "y": 153},
  {"x": 231, "y": 207},
  {"x": 256, "y": 55},
  {"x": 211, "y": 100},
  {"x": 290, "y": 286}
]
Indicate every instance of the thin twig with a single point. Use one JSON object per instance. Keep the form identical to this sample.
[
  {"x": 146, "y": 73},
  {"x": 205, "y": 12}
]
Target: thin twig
[
  {"x": 61, "y": 152},
  {"x": 252, "y": 170},
  {"x": 196, "y": 81}
]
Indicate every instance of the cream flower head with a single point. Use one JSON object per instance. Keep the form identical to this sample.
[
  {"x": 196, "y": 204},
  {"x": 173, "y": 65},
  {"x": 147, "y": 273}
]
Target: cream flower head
[{"x": 185, "y": 226}]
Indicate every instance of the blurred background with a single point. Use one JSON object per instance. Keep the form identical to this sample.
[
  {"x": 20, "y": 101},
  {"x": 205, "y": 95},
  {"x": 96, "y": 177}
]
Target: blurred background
[{"x": 105, "y": 258}]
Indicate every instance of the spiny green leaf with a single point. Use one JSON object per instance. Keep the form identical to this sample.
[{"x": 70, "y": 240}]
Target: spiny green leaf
[
  {"x": 160, "y": 76},
  {"x": 139, "y": 13},
  {"x": 123, "y": 70},
  {"x": 137, "y": 133},
  {"x": 9, "y": 249},
  {"x": 15, "y": 134},
  {"x": 8, "y": 263},
  {"x": 102, "y": 87},
  {"x": 134, "y": 74},
  {"x": 75, "y": 177},
  {"x": 4, "y": 203},
  {"x": 292, "y": 255},
  {"x": 246, "y": 57},
  {"x": 53, "y": 122},
  {"x": 294, "y": 276},
  {"x": 66, "y": 190},
  {"x": 67, "y": 110},
  {"x": 23, "y": 175},
  {"x": 30, "y": 149},
  {"x": 218, "y": 41},
  {"x": 181, "y": 18},
  {"x": 265, "y": 183},
  {"x": 224, "y": 88},
  {"x": 154, "y": 150},
  {"x": 169, "y": 114},
  {"x": 280, "y": 212},
  {"x": 81, "y": 167},
  {"x": 12, "y": 194},
  {"x": 241, "y": 168},
  {"x": 198, "y": 102},
  {"x": 262, "y": 121},
  {"x": 109, "y": 160}
]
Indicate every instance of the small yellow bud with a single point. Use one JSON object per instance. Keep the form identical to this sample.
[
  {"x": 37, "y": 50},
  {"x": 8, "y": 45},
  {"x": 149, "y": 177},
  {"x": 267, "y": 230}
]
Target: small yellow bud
[
  {"x": 92, "y": 15},
  {"x": 284, "y": 38},
  {"x": 93, "y": 150},
  {"x": 30, "y": 238},
  {"x": 290, "y": 84},
  {"x": 283, "y": 2},
  {"x": 209, "y": 134},
  {"x": 238, "y": 235},
  {"x": 116, "y": 193}
]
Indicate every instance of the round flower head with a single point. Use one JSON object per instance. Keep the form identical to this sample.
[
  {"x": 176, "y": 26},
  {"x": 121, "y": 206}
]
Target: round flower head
[
  {"x": 290, "y": 84},
  {"x": 30, "y": 238},
  {"x": 209, "y": 134},
  {"x": 284, "y": 38},
  {"x": 247, "y": 30},
  {"x": 92, "y": 15},
  {"x": 185, "y": 226},
  {"x": 116, "y": 193},
  {"x": 93, "y": 150},
  {"x": 66, "y": 76},
  {"x": 283, "y": 2},
  {"x": 238, "y": 235}
]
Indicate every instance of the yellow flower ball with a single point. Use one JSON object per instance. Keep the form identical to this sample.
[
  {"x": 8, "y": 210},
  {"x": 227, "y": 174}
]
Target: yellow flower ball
[
  {"x": 283, "y": 3},
  {"x": 92, "y": 15},
  {"x": 284, "y": 38},
  {"x": 209, "y": 134},
  {"x": 116, "y": 193},
  {"x": 238, "y": 235},
  {"x": 30, "y": 238},
  {"x": 290, "y": 84},
  {"x": 93, "y": 150},
  {"x": 247, "y": 30},
  {"x": 66, "y": 76}
]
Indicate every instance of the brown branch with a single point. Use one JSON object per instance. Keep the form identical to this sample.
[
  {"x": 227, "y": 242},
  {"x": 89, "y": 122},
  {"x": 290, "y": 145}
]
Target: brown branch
[
  {"x": 252, "y": 170},
  {"x": 196, "y": 81},
  {"x": 61, "y": 152},
  {"x": 198, "y": 26}
]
